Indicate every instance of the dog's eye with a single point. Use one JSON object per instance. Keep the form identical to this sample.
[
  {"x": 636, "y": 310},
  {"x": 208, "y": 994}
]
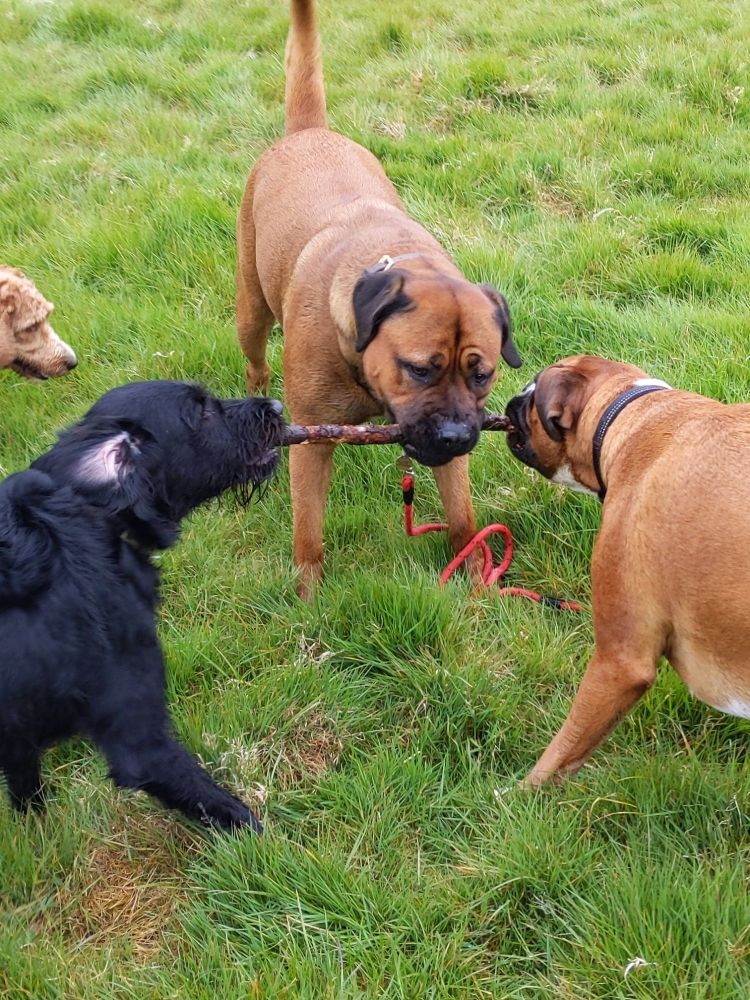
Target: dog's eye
[
  {"x": 418, "y": 372},
  {"x": 27, "y": 333},
  {"x": 481, "y": 378}
]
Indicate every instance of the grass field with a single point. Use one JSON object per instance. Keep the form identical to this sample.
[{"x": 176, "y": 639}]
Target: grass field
[{"x": 591, "y": 160}]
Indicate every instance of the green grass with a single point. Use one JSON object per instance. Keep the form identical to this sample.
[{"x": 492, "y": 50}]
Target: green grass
[{"x": 590, "y": 159}]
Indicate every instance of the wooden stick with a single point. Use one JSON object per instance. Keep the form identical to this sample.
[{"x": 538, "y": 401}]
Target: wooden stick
[{"x": 368, "y": 433}]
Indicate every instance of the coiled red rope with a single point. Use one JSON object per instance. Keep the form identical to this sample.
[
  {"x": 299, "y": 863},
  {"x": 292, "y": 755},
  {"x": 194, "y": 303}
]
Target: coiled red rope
[{"x": 491, "y": 574}]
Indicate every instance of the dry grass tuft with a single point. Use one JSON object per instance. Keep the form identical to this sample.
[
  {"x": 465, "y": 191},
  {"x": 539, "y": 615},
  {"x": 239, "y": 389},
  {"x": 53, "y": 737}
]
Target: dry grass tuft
[
  {"x": 304, "y": 749},
  {"x": 124, "y": 891}
]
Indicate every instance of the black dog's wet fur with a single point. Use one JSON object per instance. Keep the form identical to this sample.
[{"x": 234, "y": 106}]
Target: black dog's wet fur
[{"x": 79, "y": 651}]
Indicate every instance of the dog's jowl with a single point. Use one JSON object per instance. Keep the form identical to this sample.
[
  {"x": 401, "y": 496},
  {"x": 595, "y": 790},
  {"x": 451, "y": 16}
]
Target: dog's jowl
[
  {"x": 79, "y": 652},
  {"x": 377, "y": 318}
]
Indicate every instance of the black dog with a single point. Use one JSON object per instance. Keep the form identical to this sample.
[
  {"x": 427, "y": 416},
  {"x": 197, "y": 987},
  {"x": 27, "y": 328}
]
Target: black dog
[{"x": 79, "y": 651}]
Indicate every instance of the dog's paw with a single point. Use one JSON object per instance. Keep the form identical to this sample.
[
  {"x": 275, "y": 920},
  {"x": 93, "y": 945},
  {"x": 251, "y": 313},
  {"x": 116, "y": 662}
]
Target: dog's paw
[
  {"x": 536, "y": 779},
  {"x": 257, "y": 379},
  {"x": 232, "y": 816},
  {"x": 311, "y": 575}
]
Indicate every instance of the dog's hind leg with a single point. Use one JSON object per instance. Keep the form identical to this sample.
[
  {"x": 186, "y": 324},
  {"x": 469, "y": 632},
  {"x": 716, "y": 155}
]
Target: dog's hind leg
[
  {"x": 254, "y": 317},
  {"x": 21, "y": 765}
]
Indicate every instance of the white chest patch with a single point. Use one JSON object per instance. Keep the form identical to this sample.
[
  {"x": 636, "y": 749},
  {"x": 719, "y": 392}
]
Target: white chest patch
[
  {"x": 564, "y": 477},
  {"x": 736, "y": 706}
]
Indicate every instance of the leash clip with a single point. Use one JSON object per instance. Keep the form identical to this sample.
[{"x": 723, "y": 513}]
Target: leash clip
[{"x": 403, "y": 463}]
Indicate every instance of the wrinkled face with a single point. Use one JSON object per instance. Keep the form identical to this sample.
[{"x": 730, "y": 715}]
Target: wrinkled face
[
  {"x": 430, "y": 348},
  {"x": 28, "y": 344},
  {"x": 153, "y": 451},
  {"x": 545, "y": 417}
]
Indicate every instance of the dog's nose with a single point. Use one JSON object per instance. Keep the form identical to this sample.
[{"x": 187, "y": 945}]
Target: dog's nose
[
  {"x": 277, "y": 406},
  {"x": 454, "y": 435},
  {"x": 71, "y": 363}
]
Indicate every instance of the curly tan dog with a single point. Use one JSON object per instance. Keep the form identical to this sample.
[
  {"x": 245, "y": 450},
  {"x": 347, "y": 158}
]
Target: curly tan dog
[
  {"x": 28, "y": 344},
  {"x": 377, "y": 318}
]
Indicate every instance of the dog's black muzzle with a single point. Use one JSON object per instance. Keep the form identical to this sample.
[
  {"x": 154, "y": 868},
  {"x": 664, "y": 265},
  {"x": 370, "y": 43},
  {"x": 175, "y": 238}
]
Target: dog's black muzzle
[
  {"x": 259, "y": 427},
  {"x": 436, "y": 440},
  {"x": 517, "y": 411}
]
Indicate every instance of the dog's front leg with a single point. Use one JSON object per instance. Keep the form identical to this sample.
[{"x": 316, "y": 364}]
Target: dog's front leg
[
  {"x": 455, "y": 491},
  {"x": 610, "y": 687},
  {"x": 310, "y": 474},
  {"x": 23, "y": 777},
  {"x": 129, "y": 723},
  {"x": 163, "y": 768}
]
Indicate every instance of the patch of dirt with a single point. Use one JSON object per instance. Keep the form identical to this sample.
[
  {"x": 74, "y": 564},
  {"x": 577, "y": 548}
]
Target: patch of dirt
[
  {"x": 556, "y": 201},
  {"x": 308, "y": 746},
  {"x": 124, "y": 891}
]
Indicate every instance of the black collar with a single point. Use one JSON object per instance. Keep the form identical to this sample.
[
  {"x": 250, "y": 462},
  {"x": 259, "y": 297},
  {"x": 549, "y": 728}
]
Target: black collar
[{"x": 606, "y": 420}]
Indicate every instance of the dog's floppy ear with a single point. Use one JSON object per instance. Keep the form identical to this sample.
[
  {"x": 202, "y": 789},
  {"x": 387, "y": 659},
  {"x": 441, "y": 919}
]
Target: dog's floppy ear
[
  {"x": 122, "y": 472},
  {"x": 21, "y": 302},
  {"x": 502, "y": 317},
  {"x": 8, "y": 301},
  {"x": 559, "y": 399},
  {"x": 377, "y": 295}
]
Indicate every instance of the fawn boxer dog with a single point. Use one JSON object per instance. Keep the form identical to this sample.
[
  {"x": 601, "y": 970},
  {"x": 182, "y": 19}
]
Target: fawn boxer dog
[
  {"x": 670, "y": 572},
  {"x": 377, "y": 319}
]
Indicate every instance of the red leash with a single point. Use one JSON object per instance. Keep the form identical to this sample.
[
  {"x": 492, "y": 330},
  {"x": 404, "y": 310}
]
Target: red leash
[{"x": 491, "y": 574}]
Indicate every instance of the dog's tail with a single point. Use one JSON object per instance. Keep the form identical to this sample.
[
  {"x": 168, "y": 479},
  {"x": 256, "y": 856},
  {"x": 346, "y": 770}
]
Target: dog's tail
[{"x": 305, "y": 94}]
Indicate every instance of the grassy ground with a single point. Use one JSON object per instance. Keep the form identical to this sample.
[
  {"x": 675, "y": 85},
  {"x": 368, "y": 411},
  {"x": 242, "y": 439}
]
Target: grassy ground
[{"x": 591, "y": 160}]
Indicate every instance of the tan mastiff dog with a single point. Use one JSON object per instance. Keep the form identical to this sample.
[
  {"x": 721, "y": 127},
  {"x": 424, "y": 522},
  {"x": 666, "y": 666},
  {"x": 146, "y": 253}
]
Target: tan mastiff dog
[
  {"x": 377, "y": 319},
  {"x": 28, "y": 344},
  {"x": 670, "y": 572}
]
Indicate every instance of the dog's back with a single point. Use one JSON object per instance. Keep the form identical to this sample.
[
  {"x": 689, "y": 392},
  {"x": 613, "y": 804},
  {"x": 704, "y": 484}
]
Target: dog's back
[
  {"x": 346, "y": 194},
  {"x": 62, "y": 586},
  {"x": 677, "y": 527},
  {"x": 30, "y": 504}
]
